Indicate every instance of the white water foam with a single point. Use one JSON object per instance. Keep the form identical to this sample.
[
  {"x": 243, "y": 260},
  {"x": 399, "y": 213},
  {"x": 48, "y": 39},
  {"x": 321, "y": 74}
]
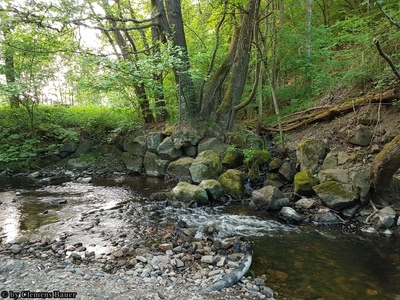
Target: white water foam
[{"x": 226, "y": 225}]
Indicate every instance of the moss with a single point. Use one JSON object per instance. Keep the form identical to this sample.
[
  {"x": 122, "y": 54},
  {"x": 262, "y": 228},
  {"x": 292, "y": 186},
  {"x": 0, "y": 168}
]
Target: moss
[
  {"x": 232, "y": 183},
  {"x": 304, "y": 182},
  {"x": 333, "y": 188}
]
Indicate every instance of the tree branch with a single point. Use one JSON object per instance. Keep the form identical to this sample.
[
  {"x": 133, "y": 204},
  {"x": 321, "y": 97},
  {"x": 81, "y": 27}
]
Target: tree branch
[
  {"x": 385, "y": 57},
  {"x": 393, "y": 22}
]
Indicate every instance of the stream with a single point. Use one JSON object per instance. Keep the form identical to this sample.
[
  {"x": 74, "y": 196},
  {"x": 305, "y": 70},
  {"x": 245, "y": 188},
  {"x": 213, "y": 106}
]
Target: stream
[{"x": 297, "y": 262}]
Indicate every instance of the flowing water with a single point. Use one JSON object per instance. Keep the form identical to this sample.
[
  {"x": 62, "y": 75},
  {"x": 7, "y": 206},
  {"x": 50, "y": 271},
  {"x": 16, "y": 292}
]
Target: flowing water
[{"x": 298, "y": 262}]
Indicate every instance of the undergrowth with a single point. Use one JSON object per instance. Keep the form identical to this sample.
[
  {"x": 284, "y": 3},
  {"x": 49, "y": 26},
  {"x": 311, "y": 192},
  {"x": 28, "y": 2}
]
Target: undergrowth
[{"x": 21, "y": 145}]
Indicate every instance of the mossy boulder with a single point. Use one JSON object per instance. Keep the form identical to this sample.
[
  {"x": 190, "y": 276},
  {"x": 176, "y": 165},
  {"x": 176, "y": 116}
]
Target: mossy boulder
[
  {"x": 275, "y": 164},
  {"x": 213, "y": 188},
  {"x": 232, "y": 159},
  {"x": 311, "y": 154},
  {"x": 186, "y": 192},
  {"x": 212, "y": 144},
  {"x": 232, "y": 182},
  {"x": 304, "y": 182},
  {"x": 335, "y": 195},
  {"x": 179, "y": 169},
  {"x": 207, "y": 165}
]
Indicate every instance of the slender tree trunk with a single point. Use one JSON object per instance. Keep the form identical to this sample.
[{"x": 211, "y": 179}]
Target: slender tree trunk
[
  {"x": 9, "y": 72},
  {"x": 187, "y": 94}
]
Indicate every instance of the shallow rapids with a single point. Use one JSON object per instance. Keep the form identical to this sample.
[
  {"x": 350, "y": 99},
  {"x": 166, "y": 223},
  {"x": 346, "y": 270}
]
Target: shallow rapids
[{"x": 226, "y": 226}]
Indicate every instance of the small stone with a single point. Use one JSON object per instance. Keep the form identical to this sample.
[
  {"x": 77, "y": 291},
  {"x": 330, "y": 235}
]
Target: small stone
[
  {"x": 208, "y": 259},
  {"x": 141, "y": 259},
  {"x": 259, "y": 282},
  {"x": 75, "y": 256},
  {"x": 21, "y": 239},
  {"x": 15, "y": 248},
  {"x": 118, "y": 253},
  {"x": 165, "y": 247}
]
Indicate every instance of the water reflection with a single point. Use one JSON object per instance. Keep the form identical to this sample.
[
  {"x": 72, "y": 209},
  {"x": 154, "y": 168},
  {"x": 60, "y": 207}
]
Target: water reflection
[{"x": 10, "y": 216}]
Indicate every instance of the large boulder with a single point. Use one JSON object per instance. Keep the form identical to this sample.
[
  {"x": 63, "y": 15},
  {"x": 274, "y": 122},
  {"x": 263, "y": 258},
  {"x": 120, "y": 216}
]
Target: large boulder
[
  {"x": 269, "y": 197},
  {"x": 361, "y": 185},
  {"x": 339, "y": 175},
  {"x": 153, "y": 141},
  {"x": 207, "y": 165},
  {"x": 213, "y": 188},
  {"x": 232, "y": 182},
  {"x": 136, "y": 145},
  {"x": 79, "y": 163},
  {"x": 289, "y": 215},
  {"x": 186, "y": 192},
  {"x": 132, "y": 162},
  {"x": 311, "y": 154},
  {"x": 179, "y": 169},
  {"x": 68, "y": 147},
  {"x": 168, "y": 150},
  {"x": 232, "y": 159},
  {"x": 335, "y": 195},
  {"x": 361, "y": 136},
  {"x": 384, "y": 218},
  {"x": 304, "y": 182},
  {"x": 154, "y": 165},
  {"x": 212, "y": 144}
]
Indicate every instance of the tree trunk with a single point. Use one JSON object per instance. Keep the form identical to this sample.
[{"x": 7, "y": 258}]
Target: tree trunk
[
  {"x": 212, "y": 97},
  {"x": 187, "y": 95},
  {"x": 232, "y": 97},
  {"x": 9, "y": 72},
  {"x": 386, "y": 163}
]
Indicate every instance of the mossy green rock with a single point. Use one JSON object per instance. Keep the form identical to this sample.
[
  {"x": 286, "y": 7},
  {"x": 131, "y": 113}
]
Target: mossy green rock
[
  {"x": 232, "y": 159},
  {"x": 233, "y": 183},
  {"x": 187, "y": 192},
  {"x": 335, "y": 195},
  {"x": 179, "y": 169},
  {"x": 207, "y": 165},
  {"x": 213, "y": 188},
  {"x": 304, "y": 182},
  {"x": 311, "y": 154}
]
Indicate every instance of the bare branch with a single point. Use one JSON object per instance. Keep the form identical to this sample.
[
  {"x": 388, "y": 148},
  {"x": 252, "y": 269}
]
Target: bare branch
[
  {"x": 393, "y": 22},
  {"x": 385, "y": 57}
]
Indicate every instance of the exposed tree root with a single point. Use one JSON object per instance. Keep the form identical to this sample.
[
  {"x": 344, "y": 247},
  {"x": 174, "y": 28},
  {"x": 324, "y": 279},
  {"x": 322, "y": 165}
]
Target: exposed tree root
[{"x": 328, "y": 112}]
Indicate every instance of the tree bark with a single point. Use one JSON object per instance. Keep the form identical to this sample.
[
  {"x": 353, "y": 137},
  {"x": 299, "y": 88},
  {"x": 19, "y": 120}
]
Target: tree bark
[
  {"x": 386, "y": 163},
  {"x": 187, "y": 95},
  {"x": 212, "y": 97},
  {"x": 232, "y": 97},
  {"x": 9, "y": 72}
]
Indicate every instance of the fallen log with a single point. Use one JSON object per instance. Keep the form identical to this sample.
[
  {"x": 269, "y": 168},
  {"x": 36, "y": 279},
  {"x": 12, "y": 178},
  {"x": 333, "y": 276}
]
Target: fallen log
[{"x": 322, "y": 113}]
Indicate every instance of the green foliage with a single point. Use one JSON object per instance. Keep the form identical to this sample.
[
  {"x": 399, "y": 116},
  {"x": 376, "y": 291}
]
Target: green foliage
[
  {"x": 252, "y": 155},
  {"x": 54, "y": 124}
]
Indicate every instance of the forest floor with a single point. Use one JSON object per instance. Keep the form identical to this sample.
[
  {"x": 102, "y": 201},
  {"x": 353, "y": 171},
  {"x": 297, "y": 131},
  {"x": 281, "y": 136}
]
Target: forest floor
[{"x": 382, "y": 118}]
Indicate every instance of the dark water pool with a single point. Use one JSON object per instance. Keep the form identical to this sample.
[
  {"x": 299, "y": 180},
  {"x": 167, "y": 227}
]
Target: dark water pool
[{"x": 327, "y": 264}]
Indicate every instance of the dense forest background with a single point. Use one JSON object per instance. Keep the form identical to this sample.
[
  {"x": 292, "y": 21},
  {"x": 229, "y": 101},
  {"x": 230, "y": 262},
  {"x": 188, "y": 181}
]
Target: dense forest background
[{"x": 212, "y": 61}]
